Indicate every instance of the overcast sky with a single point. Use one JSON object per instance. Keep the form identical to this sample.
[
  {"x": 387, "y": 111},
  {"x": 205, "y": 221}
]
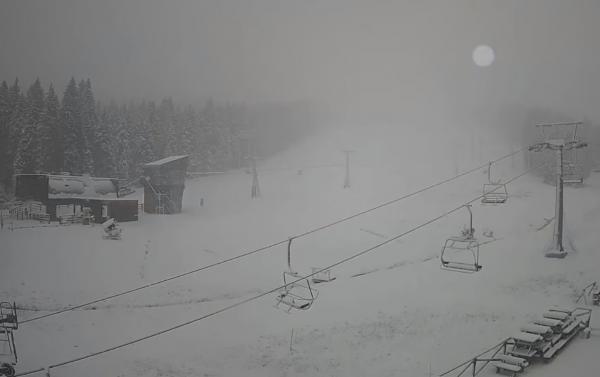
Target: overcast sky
[{"x": 372, "y": 55}]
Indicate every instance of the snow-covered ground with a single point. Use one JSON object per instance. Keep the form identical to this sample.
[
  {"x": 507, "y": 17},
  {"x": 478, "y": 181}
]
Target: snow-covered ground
[{"x": 391, "y": 312}]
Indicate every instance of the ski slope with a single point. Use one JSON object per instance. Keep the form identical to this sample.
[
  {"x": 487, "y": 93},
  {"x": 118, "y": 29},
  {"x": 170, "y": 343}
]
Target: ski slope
[{"x": 390, "y": 312}]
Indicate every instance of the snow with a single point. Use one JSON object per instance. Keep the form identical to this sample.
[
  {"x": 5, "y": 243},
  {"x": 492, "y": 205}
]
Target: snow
[
  {"x": 82, "y": 187},
  {"x": 166, "y": 160},
  {"x": 527, "y": 337},
  {"x": 391, "y": 312}
]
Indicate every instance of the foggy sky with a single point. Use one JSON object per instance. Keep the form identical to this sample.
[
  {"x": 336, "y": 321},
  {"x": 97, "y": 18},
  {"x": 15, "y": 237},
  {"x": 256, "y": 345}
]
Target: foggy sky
[{"x": 372, "y": 56}]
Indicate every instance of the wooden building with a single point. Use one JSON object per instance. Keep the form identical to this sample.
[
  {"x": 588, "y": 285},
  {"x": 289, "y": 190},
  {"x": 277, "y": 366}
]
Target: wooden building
[
  {"x": 164, "y": 182},
  {"x": 56, "y": 192}
]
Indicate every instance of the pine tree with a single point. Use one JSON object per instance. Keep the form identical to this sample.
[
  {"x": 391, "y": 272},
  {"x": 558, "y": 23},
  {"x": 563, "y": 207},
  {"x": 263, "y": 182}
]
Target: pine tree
[
  {"x": 4, "y": 134},
  {"x": 55, "y": 150},
  {"x": 112, "y": 118},
  {"x": 74, "y": 141},
  {"x": 87, "y": 117},
  {"x": 140, "y": 138},
  {"x": 96, "y": 132},
  {"x": 16, "y": 122},
  {"x": 28, "y": 156},
  {"x": 189, "y": 131}
]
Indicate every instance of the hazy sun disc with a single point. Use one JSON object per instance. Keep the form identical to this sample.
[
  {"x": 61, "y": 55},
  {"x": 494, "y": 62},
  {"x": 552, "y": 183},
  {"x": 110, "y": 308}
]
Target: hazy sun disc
[{"x": 483, "y": 55}]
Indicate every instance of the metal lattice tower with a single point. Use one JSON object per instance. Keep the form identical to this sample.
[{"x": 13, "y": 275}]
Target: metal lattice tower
[{"x": 559, "y": 145}]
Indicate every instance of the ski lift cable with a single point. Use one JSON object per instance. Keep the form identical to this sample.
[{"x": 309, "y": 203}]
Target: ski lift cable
[
  {"x": 263, "y": 294},
  {"x": 263, "y": 248}
]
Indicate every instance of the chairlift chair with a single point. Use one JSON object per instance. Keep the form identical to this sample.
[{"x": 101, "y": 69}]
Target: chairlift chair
[
  {"x": 494, "y": 192},
  {"x": 8, "y": 352},
  {"x": 571, "y": 175},
  {"x": 461, "y": 253},
  {"x": 8, "y": 316},
  {"x": 321, "y": 276},
  {"x": 297, "y": 295}
]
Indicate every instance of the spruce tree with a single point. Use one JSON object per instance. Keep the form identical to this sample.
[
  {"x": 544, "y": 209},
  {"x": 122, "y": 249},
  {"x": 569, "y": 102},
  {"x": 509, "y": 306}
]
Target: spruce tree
[
  {"x": 87, "y": 117},
  {"x": 4, "y": 134},
  {"x": 166, "y": 127},
  {"x": 97, "y": 133},
  {"x": 16, "y": 123},
  {"x": 74, "y": 141},
  {"x": 29, "y": 154},
  {"x": 55, "y": 151},
  {"x": 189, "y": 131},
  {"x": 140, "y": 138}
]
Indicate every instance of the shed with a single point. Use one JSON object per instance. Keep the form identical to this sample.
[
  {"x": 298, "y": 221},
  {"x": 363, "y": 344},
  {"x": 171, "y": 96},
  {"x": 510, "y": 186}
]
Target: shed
[
  {"x": 164, "y": 182},
  {"x": 53, "y": 190}
]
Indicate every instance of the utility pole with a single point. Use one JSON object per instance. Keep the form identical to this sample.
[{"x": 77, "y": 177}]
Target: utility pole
[
  {"x": 558, "y": 145},
  {"x": 255, "y": 187},
  {"x": 347, "y": 179}
]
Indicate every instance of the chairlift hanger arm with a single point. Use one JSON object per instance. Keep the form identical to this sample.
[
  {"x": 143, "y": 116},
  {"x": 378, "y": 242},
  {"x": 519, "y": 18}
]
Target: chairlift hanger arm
[
  {"x": 468, "y": 206},
  {"x": 289, "y": 253}
]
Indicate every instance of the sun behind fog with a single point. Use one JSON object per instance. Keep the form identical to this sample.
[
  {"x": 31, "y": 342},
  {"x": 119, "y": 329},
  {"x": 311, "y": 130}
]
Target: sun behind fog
[{"x": 483, "y": 55}]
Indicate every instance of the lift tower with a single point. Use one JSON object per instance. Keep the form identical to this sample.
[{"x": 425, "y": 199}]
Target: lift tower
[{"x": 557, "y": 249}]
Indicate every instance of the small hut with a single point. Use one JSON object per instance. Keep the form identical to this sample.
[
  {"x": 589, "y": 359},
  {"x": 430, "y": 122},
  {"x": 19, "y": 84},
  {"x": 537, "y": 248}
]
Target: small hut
[
  {"x": 164, "y": 182},
  {"x": 61, "y": 195}
]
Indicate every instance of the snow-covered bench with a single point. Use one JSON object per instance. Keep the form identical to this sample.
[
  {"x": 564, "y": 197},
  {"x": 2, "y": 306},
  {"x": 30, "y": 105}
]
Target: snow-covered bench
[
  {"x": 561, "y": 316},
  {"x": 506, "y": 368},
  {"x": 534, "y": 328},
  {"x": 509, "y": 359},
  {"x": 575, "y": 324},
  {"x": 527, "y": 345},
  {"x": 555, "y": 324}
]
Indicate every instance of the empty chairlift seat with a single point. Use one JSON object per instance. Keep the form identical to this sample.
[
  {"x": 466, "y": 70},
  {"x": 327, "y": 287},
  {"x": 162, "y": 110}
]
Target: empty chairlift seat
[
  {"x": 527, "y": 345},
  {"x": 561, "y": 309},
  {"x": 544, "y": 331},
  {"x": 8, "y": 352},
  {"x": 321, "y": 276},
  {"x": 561, "y": 316},
  {"x": 508, "y": 364},
  {"x": 461, "y": 253},
  {"x": 571, "y": 174},
  {"x": 296, "y": 293},
  {"x": 8, "y": 316},
  {"x": 555, "y": 324},
  {"x": 494, "y": 193}
]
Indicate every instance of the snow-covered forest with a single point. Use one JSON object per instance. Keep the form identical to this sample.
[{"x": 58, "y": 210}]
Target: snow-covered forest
[{"x": 44, "y": 130}]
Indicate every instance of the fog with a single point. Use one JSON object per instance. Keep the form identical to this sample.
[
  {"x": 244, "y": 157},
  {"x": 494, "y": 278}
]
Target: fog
[
  {"x": 377, "y": 59},
  {"x": 336, "y": 107}
]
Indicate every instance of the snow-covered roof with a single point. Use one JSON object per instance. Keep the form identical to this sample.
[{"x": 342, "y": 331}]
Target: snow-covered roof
[
  {"x": 80, "y": 187},
  {"x": 166, "y": 160}
]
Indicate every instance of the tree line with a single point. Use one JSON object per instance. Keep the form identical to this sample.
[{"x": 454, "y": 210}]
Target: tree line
[{"x": 39, "y": 132}]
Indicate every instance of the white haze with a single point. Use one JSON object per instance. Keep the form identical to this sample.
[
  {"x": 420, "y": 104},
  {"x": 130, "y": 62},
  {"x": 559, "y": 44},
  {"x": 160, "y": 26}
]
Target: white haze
[{"x": 365, "y": 60}]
